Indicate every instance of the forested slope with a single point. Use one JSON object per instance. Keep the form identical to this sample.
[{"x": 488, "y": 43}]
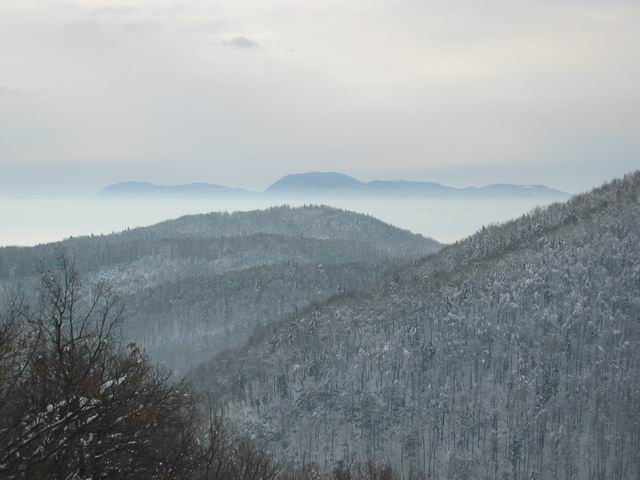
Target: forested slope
[
  {"x": 193, "y": 236},
  {"x": 182, "y": 322},
  {"x": 201, "y": 282},
  {"x": 512, "y": 354}
]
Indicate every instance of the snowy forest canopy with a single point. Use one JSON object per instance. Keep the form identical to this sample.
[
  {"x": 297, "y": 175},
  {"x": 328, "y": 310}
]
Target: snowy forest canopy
[{"x": 334, "y": 342}]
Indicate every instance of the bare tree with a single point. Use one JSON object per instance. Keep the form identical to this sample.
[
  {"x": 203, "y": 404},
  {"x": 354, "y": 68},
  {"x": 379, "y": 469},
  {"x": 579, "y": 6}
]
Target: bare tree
[{"x": 75, "y": 404}]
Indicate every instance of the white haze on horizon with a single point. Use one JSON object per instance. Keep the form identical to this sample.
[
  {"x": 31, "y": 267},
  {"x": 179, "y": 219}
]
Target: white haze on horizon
[
  {"x": 235, "y": 92},
  {"x": 29, "y": 222}
]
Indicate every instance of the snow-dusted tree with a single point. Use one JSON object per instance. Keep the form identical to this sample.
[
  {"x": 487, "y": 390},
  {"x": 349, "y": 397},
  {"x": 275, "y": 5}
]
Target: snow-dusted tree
[{"x": 74, "y": 403}]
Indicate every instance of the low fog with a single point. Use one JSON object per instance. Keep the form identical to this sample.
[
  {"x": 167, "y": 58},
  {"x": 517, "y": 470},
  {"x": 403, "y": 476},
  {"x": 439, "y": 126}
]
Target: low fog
[{"x": 29, "y": 222}]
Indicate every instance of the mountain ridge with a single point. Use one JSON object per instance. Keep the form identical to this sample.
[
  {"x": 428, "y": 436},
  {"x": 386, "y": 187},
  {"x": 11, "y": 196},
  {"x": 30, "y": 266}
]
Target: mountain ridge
[
  {"x": 246, "y": 268},
  {"x": 319, "y": 184},
  {"x": 494, "y": 357},
  {"x": 135, "y": 189}
]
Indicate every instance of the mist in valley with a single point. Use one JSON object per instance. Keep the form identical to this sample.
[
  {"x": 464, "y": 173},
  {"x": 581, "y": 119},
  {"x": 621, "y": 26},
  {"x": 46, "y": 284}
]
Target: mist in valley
[{"x": 32, "y": 221}]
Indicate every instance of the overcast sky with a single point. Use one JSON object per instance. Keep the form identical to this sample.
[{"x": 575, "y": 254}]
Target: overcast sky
[{"x": 241, "y": 92}]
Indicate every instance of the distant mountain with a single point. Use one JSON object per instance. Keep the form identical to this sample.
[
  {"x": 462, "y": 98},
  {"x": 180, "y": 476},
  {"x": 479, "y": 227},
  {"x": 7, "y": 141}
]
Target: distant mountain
[
  {"x": 315, "y": 182},
  {"x": 332, "y": 184},
  {"x": 200, "y": 283},
  {"x": 144, "y": 189},
  {"x": 514, "y": 353},
  {"x": 509, "y": 190},
  {"x": 325, "y": 185}
]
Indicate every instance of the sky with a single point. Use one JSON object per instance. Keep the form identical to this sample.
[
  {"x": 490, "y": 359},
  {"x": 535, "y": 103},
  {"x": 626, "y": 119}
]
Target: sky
[{"x": 242, "y": 92}]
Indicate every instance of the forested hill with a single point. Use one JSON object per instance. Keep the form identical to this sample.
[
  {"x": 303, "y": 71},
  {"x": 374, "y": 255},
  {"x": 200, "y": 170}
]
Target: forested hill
[
  {"x": 210, "y": 235},
  {"x": 512, "y": 354},
  {"x": 200, "y": 283},
  {"x": 319, "y": 222}
]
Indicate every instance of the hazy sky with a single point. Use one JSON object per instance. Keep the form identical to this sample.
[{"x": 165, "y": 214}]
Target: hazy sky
[{"x": 240, "y": 92}]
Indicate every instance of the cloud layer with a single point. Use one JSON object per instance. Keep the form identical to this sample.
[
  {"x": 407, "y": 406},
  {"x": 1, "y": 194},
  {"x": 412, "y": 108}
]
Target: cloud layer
[
  {"x": 241, "y": 42},
  {"x": 462, "y": 92}
]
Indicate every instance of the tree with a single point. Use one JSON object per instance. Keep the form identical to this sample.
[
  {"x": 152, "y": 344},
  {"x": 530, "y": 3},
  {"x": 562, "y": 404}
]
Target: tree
[{"x": 75, "y": 403}]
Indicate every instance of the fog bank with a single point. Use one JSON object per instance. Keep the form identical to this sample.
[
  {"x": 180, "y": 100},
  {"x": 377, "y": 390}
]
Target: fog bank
[{"x": 29, "y": 222}]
